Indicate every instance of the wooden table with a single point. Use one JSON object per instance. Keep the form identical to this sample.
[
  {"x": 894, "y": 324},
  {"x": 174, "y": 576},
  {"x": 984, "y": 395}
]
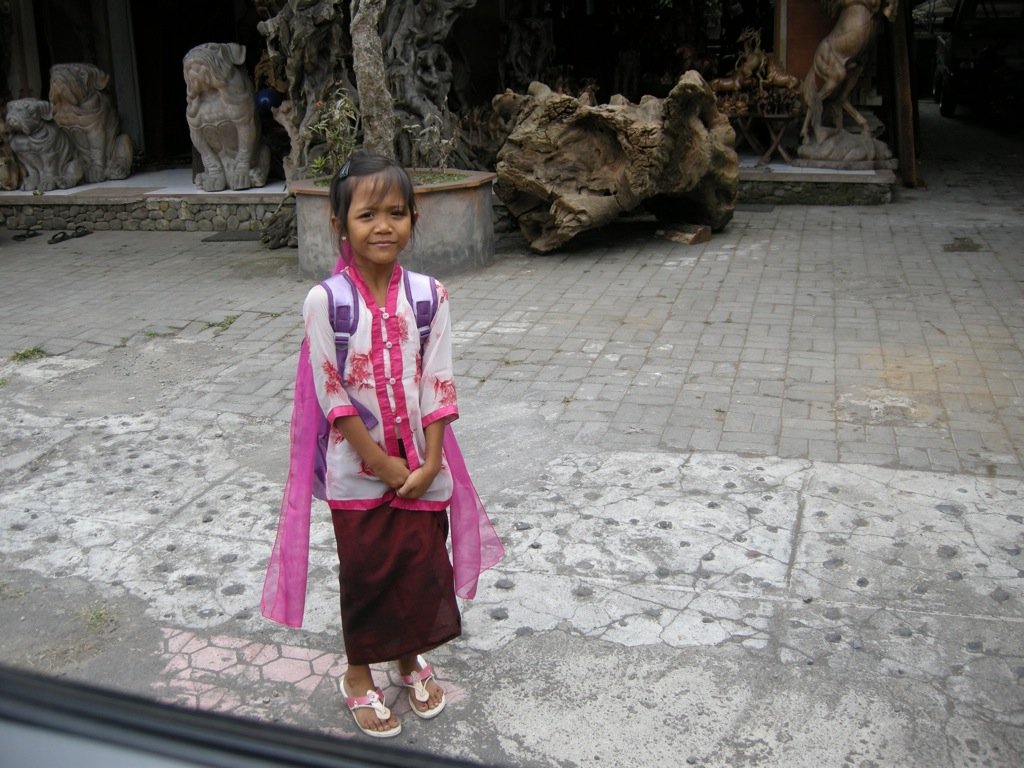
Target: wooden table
[{"x": 775, "y": 126}]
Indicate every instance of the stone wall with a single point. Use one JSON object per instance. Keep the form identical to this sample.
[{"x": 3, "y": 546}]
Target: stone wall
[
  {"x": 827, "y": 189},
  {"x": 148, "y": 215},
  {"x": 230, "y": 213}
]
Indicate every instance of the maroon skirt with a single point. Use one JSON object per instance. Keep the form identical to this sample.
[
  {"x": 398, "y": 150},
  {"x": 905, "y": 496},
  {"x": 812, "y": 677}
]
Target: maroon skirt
[{"x": 396, "y": 584}]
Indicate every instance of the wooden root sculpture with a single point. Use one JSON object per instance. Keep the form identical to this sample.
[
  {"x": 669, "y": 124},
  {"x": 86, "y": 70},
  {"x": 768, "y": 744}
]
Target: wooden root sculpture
[
  {"x": 222, "y": 120},
  {"x": 307, "y": 46},
  {"x": 43, "y": 149},
  {"x": 567, "y": 167},
  {"x": 420, "y": 76},
  {"x": 81, "y": 108}
]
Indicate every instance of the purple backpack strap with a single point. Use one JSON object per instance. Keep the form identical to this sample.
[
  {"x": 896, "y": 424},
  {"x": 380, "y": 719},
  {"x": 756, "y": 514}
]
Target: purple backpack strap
[
  {"x": 421, "y": 291},
  {"x": 344, "y": 312}
]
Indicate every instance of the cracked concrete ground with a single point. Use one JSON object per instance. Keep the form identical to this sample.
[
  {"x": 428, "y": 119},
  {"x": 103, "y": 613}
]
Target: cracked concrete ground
[{"x": 762, "y": 497}]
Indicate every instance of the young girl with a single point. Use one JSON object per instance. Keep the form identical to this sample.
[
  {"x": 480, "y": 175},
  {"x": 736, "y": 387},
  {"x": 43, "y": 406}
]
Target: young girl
[{"x": 392, "y": 465}]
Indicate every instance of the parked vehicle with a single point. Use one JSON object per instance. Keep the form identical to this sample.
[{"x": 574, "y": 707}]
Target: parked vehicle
[
  {"x": 980, "y": 57},
  {"x": 46, "y": 721}
]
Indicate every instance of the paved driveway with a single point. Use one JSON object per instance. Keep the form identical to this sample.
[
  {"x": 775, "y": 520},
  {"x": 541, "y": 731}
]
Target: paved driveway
[{"x": 762, "y": 497}]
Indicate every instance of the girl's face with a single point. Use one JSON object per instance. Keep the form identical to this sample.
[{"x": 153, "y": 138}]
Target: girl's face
[{"x": 378, "y": 226}]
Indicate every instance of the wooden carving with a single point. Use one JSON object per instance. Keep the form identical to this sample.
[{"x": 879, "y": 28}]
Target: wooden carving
[
  {"x": 420, "y": 76},
  {"x": 837, "y": 66},
  {"x": 568, "y": 167}
]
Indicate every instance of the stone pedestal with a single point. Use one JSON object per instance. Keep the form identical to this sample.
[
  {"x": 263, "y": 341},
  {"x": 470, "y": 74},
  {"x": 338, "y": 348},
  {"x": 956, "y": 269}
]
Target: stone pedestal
[{"x": 846, "y": 151}]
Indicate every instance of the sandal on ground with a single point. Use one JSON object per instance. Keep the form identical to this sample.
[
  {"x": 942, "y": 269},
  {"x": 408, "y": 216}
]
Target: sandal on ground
[
  {"x": 374, "y": 700},
  {"x": 59, "y": 237},
  {"x": 417, "y": 685},
  {"x": 81, "y": 232},
  {"x": 27, "y": 234}
]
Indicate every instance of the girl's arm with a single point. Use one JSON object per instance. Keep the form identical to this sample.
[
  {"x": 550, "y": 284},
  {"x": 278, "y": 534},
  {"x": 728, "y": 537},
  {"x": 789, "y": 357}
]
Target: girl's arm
[
  {"x": 420, "y": 479},
  {"x": 391, "y": 470},
  {"x": 438, "y": 400}
]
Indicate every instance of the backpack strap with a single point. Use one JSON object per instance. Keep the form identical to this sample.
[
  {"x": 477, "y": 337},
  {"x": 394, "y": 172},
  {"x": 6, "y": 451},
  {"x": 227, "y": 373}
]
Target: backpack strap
[
  {"x": 343, "y": 300},
  {"x": 343, "y": 311},
  {"x": 421, "y": 291}
]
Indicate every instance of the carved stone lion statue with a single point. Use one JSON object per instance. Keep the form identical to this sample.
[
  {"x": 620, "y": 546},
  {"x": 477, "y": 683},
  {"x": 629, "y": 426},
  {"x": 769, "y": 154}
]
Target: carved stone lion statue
[
  {"x": 43, "y": 149},
  {"x": 82, "y": 109},
  {"x": 222, "y": 121}
]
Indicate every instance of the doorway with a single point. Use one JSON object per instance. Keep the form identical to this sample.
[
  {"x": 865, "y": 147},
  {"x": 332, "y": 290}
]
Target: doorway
[{"x": 164, "y": 31}]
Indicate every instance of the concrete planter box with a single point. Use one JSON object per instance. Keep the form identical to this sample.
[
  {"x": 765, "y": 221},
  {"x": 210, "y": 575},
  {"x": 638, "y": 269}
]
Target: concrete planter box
[{"x": 455, "y": 230}]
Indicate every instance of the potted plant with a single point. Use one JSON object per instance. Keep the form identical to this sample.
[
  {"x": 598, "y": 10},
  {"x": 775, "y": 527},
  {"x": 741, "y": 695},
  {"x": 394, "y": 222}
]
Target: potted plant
[{"x": 455, "y": 228}]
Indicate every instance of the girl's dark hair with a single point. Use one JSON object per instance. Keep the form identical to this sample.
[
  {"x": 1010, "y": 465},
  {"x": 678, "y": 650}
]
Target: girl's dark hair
[{"x": 361, "y": 163}]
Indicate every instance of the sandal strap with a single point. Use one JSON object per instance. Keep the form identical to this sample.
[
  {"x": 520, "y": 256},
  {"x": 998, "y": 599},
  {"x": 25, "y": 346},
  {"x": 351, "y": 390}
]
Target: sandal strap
[
  {"x": 421, "y": 675},
  {"x": 417, "y": 679},
  {"x": 418, "y": 676},
  {"x": 374, "y": 699}
]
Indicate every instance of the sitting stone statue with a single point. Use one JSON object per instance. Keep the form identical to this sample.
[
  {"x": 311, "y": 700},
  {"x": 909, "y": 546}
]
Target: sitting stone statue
[
  {"x": 43, "y": 149},
  {"x": 82, "y": 109},
  {"x": 10, "y": 169},
  {"x": 222, "y": 121}
]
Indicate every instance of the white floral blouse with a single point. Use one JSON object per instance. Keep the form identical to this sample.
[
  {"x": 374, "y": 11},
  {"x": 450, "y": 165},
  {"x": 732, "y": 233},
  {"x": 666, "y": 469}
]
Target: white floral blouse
[{"x": 388, "y": 382}]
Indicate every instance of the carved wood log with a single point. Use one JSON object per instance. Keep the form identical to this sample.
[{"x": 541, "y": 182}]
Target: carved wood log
[
  {"x": 378, "y": 114},
  {"x": 567, "y": 167},
  {"x": 420, "y": 74},
  {"x": 307, "y": 43}
]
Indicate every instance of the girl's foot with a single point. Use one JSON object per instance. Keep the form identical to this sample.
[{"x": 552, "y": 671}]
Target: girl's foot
[
  {"x": 366, "y": 703},
  {"x": 426, "y": 697}
]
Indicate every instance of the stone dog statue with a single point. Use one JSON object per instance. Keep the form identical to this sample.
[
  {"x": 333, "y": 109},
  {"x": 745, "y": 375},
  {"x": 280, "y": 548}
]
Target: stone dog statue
[
  {"x": 222, "y": 121},
  {"x": 82, "y": 109},
  {"x": 43, "y": 149},
  {"x": 10, "y": 169}
]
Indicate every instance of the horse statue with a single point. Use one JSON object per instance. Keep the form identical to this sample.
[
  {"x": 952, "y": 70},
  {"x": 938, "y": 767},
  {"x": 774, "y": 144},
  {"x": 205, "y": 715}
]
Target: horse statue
[{"x": 838, "y": 65}]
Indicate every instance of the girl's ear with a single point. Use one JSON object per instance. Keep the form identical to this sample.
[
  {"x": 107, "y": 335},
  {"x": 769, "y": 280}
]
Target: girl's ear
[
  {"x": 335, "y": 221},
  {"x": 415, "y": 217}
]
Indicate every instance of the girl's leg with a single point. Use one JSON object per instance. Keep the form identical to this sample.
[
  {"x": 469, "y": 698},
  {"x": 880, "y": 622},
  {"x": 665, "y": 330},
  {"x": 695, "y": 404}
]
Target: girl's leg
[
  {"x": 359, "y": 680},
  {"x": 409, "y": 664}
]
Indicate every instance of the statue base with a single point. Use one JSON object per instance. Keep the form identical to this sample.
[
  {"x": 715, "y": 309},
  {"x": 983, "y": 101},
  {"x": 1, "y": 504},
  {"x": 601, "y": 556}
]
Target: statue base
[{"x": 843, "y": 150}]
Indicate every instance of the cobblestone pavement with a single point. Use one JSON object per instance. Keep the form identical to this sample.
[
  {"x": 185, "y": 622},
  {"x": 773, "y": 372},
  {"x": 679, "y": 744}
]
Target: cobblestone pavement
[{"x": 762, "y": 496}]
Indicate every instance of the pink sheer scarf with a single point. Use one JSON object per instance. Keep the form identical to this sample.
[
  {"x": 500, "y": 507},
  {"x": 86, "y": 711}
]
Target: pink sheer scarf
[{"x": 475, "y": 544}]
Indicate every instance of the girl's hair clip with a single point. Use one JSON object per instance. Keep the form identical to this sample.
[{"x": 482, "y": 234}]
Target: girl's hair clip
[{"x": 345, "y": 169}]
